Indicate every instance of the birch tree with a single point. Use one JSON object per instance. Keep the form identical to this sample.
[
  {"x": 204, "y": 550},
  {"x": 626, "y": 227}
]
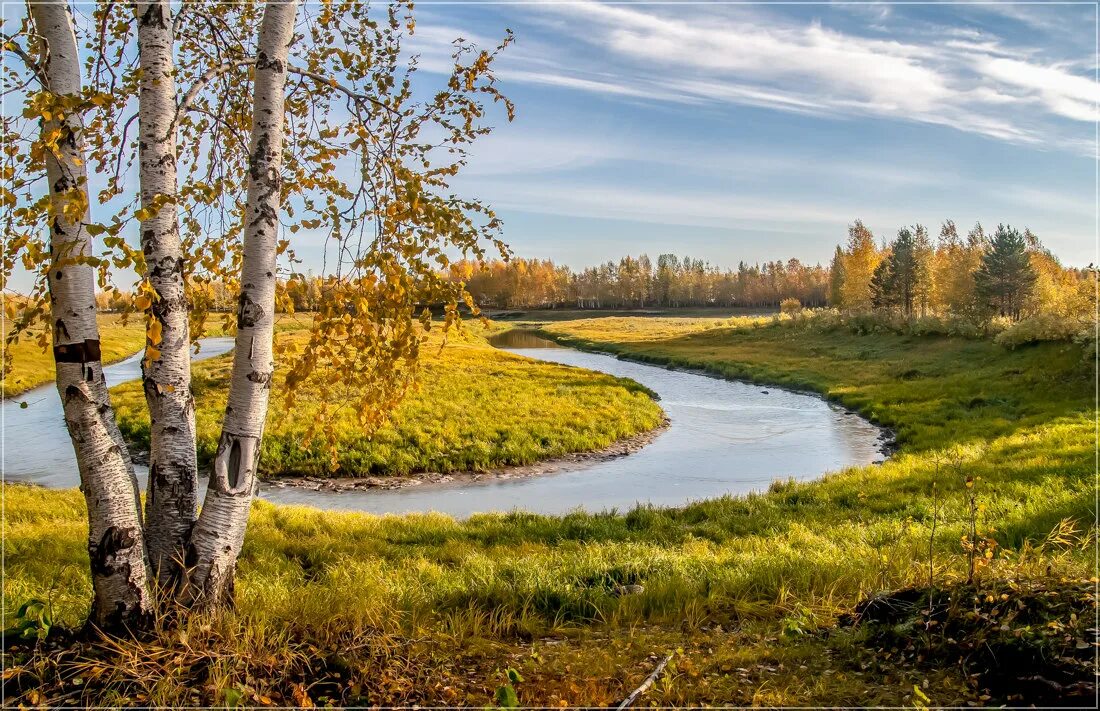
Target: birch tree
[
  {"x": 339, "y": 144},
  {"x": 116, "y": 544},
  {"x": 219, "y": 534},
  {"x": 171, "y": 504}
]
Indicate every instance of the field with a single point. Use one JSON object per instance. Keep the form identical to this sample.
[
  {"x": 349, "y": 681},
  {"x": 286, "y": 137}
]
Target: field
[
  {"x": 993, "y": 482},
  {"x": 32, "y": 365},
  {"x": 477, "y": 407}
]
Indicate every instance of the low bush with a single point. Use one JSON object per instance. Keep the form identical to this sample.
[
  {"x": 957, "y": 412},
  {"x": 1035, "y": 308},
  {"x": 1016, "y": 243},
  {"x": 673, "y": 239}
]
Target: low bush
[
  {"x": 790, "y": 306},
  {"x": 1043, "y": 327},
  {"x": 1003, "y": 331}
]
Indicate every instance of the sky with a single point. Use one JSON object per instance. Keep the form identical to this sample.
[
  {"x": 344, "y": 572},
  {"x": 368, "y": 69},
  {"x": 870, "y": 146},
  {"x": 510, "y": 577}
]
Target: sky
[{"x": 760, "y": 131}]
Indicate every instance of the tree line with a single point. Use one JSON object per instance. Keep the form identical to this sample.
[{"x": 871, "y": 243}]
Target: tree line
[
  {"x": 638, "y": 282},
  {"x": 974, "y": 277},
  {"x": 1007, "y": 274}
]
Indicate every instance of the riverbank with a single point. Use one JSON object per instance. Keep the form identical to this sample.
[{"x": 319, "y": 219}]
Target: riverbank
[
  {"x": 476, "y": 409},
  {"x": 424, "y": 480},
  {"x": 887, "y": 436},
  {"x": 32, "y": 363},
  {"x": 352, "y": 608}
]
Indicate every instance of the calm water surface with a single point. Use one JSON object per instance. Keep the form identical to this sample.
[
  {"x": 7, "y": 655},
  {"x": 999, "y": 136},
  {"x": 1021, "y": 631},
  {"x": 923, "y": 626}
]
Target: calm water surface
[
  {"x": 725, "y": 437},
  {"x": 36, "y": 445}
]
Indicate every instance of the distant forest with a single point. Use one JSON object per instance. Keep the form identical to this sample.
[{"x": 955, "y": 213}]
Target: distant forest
[
  {"x": 1007, "y": 273},
  {"x": 975, "y": 277},
  {"x": 638, "y": 282}
]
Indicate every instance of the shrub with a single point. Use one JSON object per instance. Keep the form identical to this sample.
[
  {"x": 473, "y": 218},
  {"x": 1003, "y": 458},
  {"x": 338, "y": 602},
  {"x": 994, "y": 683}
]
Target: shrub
[
  {"x": 1042, "y": 327},
  {"x": 948, "y": 325},
  {"x": 790, "y": 306},
  {"x": 1086, "y": 338}
]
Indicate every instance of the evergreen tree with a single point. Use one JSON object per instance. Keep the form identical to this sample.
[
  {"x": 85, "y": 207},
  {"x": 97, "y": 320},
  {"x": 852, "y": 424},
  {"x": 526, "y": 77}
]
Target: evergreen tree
[
  {"x": 882, "y": 286},
  {"x": 902, "y": 272},
  {"x": 1005, "y": 278},
  {"x": 836, "y": 279}
]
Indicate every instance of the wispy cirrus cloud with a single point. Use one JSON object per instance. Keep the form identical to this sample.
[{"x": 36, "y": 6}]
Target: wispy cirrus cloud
[
  {"x": 634, "y": 124},
  {"x": 963, "y": 78}
]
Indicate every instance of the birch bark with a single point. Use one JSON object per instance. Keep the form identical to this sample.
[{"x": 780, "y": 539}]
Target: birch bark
[
  {"x": 170, "y": 505},
  {"x": 115, "y": 540},
  {"x": 219, "y": 534}
]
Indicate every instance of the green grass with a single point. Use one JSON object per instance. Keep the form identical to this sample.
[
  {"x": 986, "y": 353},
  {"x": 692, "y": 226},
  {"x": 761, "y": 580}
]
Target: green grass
[
  {"x": 32, "y": 365},
  {"x": 477, "y": 407},
  {"x": 428, "y": 609}
]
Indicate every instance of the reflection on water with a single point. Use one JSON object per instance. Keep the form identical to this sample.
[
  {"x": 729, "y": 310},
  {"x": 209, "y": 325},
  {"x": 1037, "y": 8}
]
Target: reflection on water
[
  {"x": 725, "y": 438},
  {"x": 518, "y": 338}
]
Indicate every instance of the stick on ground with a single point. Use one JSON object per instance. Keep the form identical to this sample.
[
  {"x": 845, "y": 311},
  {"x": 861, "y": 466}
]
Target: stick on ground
[{"x": 646, "y": 684}]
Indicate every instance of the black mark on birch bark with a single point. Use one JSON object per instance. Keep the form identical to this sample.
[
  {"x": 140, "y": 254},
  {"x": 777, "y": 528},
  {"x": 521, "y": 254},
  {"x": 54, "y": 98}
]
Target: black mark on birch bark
[
  {"x": 261, "y": 378},
  {"x": 249, "y": 312},
  {"x": 153, "y": 17},
  {"x": 106, "y": 555},
  {"x": 233, "y": 475}
]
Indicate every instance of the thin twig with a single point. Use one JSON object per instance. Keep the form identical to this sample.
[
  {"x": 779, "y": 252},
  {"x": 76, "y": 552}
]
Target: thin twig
[
  {"x": 646, "y": 684},
  {"x": 12, "y": 46}
]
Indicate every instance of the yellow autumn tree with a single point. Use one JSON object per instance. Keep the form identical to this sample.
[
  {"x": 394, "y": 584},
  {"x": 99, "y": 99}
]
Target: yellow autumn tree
[
  {"x": 860, "y": 260},
  {"x": 1058, "y": 291},
  {"x": 953, "y": 269}
]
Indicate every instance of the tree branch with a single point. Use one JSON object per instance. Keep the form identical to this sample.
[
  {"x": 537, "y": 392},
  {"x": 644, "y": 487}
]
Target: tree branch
[
  {"x": 215, "y": 72},
  {"x": 39, "y": 73},
  {"x": 201, "y": 82},
  {"x": 351, "y": 94}
]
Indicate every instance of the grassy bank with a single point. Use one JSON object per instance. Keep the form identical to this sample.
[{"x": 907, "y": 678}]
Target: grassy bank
[
  {"x": 477, "y": 407},
  {"x": 996, "y": 456},
  {"x": 33, "y": 366}
]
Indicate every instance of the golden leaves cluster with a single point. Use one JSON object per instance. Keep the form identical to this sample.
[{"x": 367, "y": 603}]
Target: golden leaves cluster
[{"x": 367, "y": 168}]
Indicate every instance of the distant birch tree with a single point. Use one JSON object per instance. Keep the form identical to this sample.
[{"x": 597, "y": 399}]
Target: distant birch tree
[{"x": 860, "y": 261}]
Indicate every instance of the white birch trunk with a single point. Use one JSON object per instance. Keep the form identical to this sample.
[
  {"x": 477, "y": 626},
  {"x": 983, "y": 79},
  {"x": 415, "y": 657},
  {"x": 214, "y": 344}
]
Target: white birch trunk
[
  {"x": 115, "y": 539},
  {"x": 219, "y": 533},
  {"x": 170, "y": 506}
]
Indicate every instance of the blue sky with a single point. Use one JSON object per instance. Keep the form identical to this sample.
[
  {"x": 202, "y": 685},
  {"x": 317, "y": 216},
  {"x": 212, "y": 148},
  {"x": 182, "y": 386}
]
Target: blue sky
[{"x": 760, "y": 131}]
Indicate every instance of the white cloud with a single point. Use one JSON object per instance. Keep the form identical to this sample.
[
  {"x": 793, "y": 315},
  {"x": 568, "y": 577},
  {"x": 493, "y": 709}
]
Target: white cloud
[
  {"x": 538, "y": 151},
  {"x": 669, "y": 207},
  {"x": 964, "y": 79},
  {"x": 1065, "y": 94}
]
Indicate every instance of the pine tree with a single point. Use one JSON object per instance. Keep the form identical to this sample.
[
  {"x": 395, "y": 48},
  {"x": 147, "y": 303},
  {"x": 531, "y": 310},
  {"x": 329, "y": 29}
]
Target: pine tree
[
  {"x": 1005, "y": 278},
  {"x": 882, "y": 286},
  {"x": 836, "y": 279},
  {"x": 897, "y": 276}
]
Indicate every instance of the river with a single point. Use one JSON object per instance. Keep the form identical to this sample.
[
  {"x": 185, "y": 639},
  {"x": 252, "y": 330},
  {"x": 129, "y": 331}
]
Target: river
[{"x": 724, "y": 437}]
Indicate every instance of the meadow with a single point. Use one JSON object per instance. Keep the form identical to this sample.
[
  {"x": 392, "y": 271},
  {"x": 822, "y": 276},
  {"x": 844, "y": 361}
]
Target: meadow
[
  {"x": 476, "y": 408},
  {"x": 32, "y": 364},
  {"x": 987, "y": 508}
]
